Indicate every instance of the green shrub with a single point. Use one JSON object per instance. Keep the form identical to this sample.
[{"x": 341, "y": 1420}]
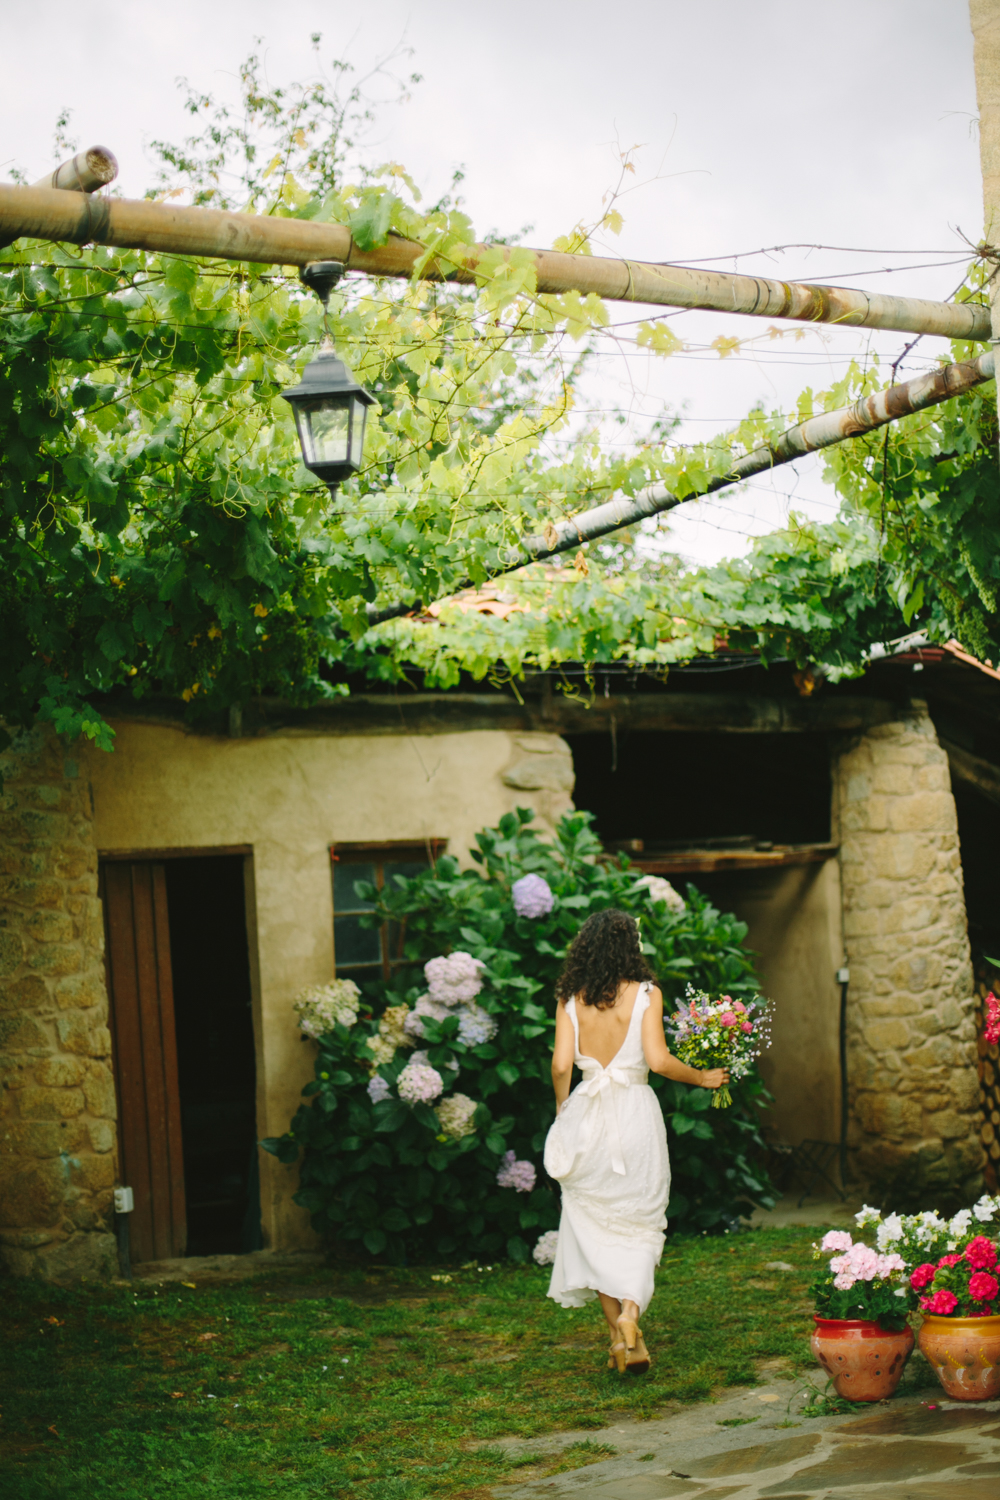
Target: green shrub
[{"x": 387, "y": 1175}]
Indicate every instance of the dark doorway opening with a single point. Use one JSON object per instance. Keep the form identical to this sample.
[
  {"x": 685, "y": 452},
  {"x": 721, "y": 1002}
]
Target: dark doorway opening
[
  {"x": 215, "y": 1052},
  {"x": 979, "y": 840},
  {"x": 668, "y": 788}
]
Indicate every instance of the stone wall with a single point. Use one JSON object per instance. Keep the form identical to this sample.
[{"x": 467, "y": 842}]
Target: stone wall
[
  {"x": 57, "y": 1094},
  {"x": 911, "y": 1036}
]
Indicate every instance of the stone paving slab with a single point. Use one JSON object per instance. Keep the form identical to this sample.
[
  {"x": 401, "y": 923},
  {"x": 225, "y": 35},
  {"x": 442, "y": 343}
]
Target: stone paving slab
[{"x": 913, "y": 1449}]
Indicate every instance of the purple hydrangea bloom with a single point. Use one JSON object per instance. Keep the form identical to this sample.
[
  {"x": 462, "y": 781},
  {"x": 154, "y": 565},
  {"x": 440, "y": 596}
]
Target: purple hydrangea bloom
[
  {"x": 378, "y": 1089},
  {"x": 532, "y": 896},
  {"x": 454, "y": 979},
  {"x": 519, "y": 1175}
]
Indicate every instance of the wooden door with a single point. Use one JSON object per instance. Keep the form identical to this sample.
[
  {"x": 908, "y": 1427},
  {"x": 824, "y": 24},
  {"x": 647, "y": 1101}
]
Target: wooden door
[{"x": 144, "y": 1045}]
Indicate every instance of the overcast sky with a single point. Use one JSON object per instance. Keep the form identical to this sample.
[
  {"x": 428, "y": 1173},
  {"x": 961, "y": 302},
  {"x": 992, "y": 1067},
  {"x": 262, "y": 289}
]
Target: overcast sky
[{"x": 761, "y": 124}]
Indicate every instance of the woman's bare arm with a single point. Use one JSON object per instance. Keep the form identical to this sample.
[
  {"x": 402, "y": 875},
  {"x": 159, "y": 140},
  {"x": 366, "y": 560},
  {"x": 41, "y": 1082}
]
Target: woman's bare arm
[
  {"x": 661, "y": 1060},
  {"x": 562, "y": 1055}
]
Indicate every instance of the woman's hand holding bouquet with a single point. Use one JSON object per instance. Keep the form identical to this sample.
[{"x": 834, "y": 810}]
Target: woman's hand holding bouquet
[{"x": 719, "y": 1036}]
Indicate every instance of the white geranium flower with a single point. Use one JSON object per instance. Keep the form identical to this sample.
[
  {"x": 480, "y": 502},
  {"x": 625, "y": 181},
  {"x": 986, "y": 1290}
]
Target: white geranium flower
[
  {"x": 960, "y": 1223},
  {"x": 889, "y": 1232},
  {"x": 867, "y": 1215},
  {"x": 985, "y": 1209}
]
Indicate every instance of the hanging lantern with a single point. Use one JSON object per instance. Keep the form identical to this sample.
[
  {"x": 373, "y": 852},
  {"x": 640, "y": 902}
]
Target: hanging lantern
[{"x": 330, "y": 407}]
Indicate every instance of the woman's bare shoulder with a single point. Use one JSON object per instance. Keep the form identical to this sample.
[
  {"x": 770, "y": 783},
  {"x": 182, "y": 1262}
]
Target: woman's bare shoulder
[{"x": 656, "y": 996}]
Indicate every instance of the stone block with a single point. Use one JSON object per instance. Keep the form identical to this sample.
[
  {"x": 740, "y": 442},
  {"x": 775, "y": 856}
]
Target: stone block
[
  {"x": 42, "y": 1138},
  {"x": 21, "y": 1034},
  {"x": 82, "y": 1257},
  {"x": 894, "y": 779},
  {"x": 949, "y": 1125},
  {"x": 24, "y": 891},
  {"x": 81, "y": 991},
  {"x": 924, "y": 812},
  {"x": 92, "y": 1173},
  {"x": 99, "y": 1091},
  {"x": 50, "y": 927},
  {"x": 60, "y": 1072},
  {"x": 55, "y": 959},
  {"x": 887, "y": 1115},
  {"x": 27, "y": 993},
  {"x": 33, "y": 1196},
  {"x": 50, "y": 1104},
  {"x": 11, "y": 951},
  {"x": 892, "y": 1004},
  {"x": 31, "y": 823},
  {"x": 78, "y": 1034},
  {"x": 937, "y": 1052},
  {"x": 72, "y": 863},
  {"x": 885, "y": 1034},
  {"x": 102, "y": 1135},
  {"x": 533, "y": 773}
]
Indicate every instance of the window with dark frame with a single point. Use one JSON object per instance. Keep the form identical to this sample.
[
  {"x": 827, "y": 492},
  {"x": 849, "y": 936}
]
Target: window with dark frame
[{"x": 366, "y": 953}]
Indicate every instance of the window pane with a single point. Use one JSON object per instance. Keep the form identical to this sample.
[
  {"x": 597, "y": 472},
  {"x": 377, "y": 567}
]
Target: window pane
[
  {"x": 344, "y": 876},
  {"x": 368, "y": 981},
  {"x": 409, "y": 868},
  {"x": 353, "y": 945},
  {"x": 324, "y": 432}
]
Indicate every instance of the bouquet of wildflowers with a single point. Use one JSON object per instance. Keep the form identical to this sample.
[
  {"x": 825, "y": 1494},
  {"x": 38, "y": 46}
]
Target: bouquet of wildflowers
[
  {"x": 860, "y": 1282},
  {"x": 721, "y": 1033}
]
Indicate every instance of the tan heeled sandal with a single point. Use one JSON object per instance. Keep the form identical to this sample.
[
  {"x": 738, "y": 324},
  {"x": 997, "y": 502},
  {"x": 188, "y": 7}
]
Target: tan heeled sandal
[
  {"x": 637, "y": 1359},
  {"x": 617, "y": 1355}
]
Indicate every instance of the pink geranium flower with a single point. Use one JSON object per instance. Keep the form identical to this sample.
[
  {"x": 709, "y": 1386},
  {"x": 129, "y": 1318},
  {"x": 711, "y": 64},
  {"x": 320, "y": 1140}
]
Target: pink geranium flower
[
  {"x": 981, "y": 1253},
  {"x": 983, "y": 1287},
  {"x": 922, "y": 1276},
  {"x": 941, "y": 1305},
  {"x": 949, "y": 1260},
  {"x": 836, "y": 1239}
]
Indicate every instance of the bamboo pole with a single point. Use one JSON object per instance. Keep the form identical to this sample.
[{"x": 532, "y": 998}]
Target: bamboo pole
[
  {"x": 86, "y": 172},
  {"x": 261, "y": 239},
  {"x": 822, "y": 431},
  {"x": 985, "y": 18}
]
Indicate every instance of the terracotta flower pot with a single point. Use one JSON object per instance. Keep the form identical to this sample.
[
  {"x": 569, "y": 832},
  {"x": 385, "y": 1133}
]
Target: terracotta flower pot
[
  {"x": 965, "y": 1355},
  {"x": 864, "y": 1362}
]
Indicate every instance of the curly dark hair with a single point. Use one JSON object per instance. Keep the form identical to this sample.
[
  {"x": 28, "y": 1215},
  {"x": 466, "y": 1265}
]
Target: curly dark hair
[{"x": 604, "y": 952}]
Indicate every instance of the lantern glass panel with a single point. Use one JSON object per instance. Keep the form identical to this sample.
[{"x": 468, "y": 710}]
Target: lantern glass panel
[
  {"x": 358, "y": 431},
  {"x": 325, "y": 431}
]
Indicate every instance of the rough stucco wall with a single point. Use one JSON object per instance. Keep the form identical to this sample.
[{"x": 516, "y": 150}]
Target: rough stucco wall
[
  {"x": 57, "y": 1101},
  {"x": 794, "y": 926},
  {"x": 290, "y": 796},
  {"x": 911, "y": 1035}
]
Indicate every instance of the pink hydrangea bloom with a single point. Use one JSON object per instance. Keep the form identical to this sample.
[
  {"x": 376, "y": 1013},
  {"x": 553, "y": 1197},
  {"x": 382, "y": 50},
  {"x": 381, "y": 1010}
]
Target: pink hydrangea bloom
[
  {"x": 455, "y": 979},
  {"x": 941, "y": 1305},
  {"x": 419, "y": 1083},
  {"x": 836, "y": 1239},
  {"x": 981, "y": 1253},
  {"x": 983, "y": 1287},
  {"x": 519, "y": 1175},
  {"x": 922, "y": 1276},
  {"x": 532, "y": 896}
]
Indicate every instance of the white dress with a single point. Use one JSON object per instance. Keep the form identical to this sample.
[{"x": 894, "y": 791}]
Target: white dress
[{"x": 608, "y": 1151}]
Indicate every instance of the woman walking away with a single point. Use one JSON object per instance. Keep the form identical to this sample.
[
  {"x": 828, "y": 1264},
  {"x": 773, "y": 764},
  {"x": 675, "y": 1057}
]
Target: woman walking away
[{"x": 608, "y": 1147}]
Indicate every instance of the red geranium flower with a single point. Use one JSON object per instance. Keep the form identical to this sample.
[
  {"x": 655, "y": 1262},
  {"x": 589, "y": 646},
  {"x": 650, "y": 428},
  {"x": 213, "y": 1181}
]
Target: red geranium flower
[
  {"x": 941, "y": 1304},
  {"x": 983, "y": 1287},
  {"x": 981, "y": 1253},
  {"x": 922, "y": 1276},
  {"x": 949, "y": 1260}
]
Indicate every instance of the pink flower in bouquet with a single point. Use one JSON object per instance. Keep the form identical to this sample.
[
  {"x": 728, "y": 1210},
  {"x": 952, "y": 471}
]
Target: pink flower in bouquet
[
  {"x": 949, "y": 1260},
  {"x": 941, "y": 1305},
  {"x": 747, "y": 1027},
  {"x": 836, "y": 1239},
  {"x": 738, "y": 1005},
  {"x": 727, "y": 1018},
  {"x": 981, "y": 1253},
  {"x": 991, "y": 1034},
  {"x": 983, "y": 1287},
  {"x": 922, "y": 1276}
]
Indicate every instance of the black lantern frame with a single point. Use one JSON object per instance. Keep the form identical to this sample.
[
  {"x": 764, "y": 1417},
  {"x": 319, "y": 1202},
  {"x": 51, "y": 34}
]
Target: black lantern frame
[{"x": 330, "y": 407}]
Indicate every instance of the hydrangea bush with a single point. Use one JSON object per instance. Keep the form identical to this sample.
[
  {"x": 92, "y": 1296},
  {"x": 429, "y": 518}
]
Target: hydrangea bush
[{"x": 424, "y": 1130}]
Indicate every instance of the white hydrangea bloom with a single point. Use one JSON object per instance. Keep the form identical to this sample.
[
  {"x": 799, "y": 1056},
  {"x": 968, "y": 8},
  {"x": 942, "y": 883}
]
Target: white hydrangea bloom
[
  {"x": 545, "y": 1250},
  {"x": 433, "y": 1010},
  {"x": 475, "y": 1025},
  {"x": 391, "y": 1035},
  {"x": 661, "y": 890},
  {"x": 322, "y": 1007},
  {"x": 455, "y": 1116}
]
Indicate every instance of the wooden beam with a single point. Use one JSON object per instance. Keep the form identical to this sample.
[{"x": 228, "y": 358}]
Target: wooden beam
[
  {"x": 716, "y": 861},
  {"x": 973, "y": 770},
  {"x": 268, "y": 239}
]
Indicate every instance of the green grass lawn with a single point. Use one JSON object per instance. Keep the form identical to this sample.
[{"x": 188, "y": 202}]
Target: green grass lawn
[{"x": 385, "y": 1385}]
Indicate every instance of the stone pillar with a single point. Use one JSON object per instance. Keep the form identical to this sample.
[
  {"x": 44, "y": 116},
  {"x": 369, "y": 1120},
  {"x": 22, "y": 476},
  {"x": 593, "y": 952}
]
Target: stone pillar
[
  {"x": 57, "y": 1094},
  {"x": 913, "y": 1129}
]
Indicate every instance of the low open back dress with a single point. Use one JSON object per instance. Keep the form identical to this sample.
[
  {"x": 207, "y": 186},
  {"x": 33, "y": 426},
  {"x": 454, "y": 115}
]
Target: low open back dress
[{"x": 608, "y": 1151}]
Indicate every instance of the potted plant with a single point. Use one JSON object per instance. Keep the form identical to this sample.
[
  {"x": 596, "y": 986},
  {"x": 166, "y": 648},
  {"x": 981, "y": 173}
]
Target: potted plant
[
  {"x": 960, "y": 1333},
  {"x": 862, "y": 1338}
]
